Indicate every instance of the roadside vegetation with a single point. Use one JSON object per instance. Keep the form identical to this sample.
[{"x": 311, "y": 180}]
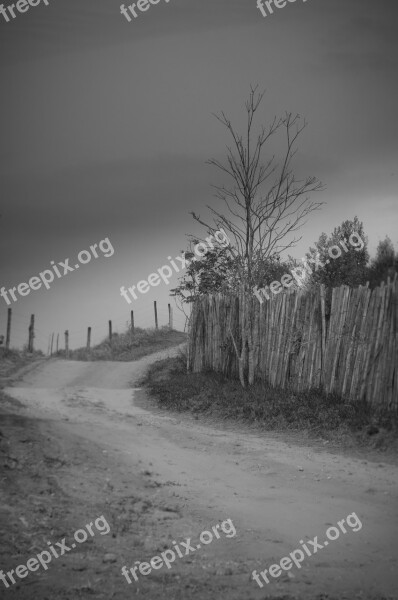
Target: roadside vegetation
[
  {"x": 12, "y": 360},
  {"x": 130, "y": 346},
  {"x": 311, "y": 413}
]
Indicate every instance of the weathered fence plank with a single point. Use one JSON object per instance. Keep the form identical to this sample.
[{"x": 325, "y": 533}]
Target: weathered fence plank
[{"x": 344, "y": 340}]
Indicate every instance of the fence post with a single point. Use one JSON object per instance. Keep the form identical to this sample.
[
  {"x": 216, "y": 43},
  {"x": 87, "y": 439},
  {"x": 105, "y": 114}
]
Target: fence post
[
  {"x": 57, "y": 342},
  {"x": 31, "y": 333},
  {"x": 52, "y": 342},
  {"x": 9, "y": 314},
  {"x": 132, "y": 321},
  {"x": 67, "y": 344},
  {"x": 88, "y": 338},
  {"x": 156, "y": 314},
  {"x": 110, "y": 332},
  {"x": 170, "y": 317}
]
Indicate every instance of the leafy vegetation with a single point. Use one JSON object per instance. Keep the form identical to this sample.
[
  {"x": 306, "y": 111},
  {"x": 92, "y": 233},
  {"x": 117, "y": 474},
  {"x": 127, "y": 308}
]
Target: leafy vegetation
[
  {"x": 384, "y": 264},
  {"x": 217, "y": 271},
  {"x": 350, "y": 267}
]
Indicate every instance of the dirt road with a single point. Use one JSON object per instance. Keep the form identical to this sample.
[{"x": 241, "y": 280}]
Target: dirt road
[{"x": 164, "y": 477}]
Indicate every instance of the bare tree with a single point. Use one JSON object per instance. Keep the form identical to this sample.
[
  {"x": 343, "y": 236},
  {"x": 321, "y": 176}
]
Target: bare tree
[{"x": 261, "y": 222}]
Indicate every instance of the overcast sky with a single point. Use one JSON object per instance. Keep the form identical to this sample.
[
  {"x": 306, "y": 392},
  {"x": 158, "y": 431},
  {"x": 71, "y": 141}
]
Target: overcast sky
[{"x": 106, "y": 126}]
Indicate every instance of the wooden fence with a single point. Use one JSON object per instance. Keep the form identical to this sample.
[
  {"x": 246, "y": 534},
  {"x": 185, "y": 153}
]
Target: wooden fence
[{"x": 342, "y": 340}]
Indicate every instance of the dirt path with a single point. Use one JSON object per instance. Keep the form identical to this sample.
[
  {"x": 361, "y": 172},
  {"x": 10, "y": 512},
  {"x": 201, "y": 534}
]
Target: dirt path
[{"x": 163, "y": 478}]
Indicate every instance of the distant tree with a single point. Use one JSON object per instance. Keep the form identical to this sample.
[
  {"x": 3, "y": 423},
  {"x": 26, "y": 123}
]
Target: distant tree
[
  {"x": 385, "y": 263},
  {"x": 342, "y": 257}
]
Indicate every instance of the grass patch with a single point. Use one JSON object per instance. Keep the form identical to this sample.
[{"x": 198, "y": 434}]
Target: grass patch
[
  {"x": 312, "y": 412},
  {"x": 12, "y": 360},
  {"x": 128, "y": 347}
]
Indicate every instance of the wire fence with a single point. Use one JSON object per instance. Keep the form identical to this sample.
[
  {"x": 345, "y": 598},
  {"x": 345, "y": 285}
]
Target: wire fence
[{"x": 16, "y": 329}]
